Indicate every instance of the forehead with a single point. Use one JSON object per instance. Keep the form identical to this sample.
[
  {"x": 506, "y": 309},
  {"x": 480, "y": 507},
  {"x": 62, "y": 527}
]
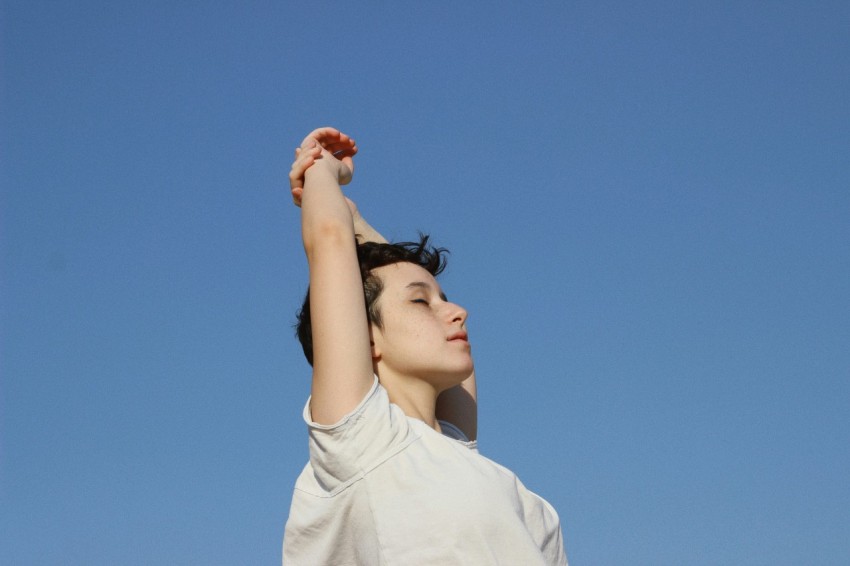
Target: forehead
[{"x": 399, "y": 276}]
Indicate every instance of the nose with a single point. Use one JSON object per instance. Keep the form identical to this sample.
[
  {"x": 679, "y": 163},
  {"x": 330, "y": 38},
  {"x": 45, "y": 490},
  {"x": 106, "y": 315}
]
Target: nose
[{"x": 457, "y": 313}]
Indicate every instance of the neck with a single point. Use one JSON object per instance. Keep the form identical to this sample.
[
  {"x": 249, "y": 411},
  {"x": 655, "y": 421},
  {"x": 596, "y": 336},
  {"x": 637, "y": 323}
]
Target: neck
[{"x": 416, "y": 397}]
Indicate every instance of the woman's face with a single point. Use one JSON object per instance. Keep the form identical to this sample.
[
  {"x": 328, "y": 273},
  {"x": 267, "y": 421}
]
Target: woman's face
[{"x": 422, "y": 335}]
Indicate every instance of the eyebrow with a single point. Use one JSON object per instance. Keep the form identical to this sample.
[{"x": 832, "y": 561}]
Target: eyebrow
[{"x": 426, "y": 286}]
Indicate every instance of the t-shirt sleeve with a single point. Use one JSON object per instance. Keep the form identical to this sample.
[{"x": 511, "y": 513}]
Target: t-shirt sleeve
[
  {"x": 344, "y": 451},
  {"x": 455, "y": 433}
]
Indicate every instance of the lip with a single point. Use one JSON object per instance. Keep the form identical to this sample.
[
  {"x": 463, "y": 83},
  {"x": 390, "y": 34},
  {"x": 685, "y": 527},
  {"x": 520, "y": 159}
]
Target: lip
[{"x": 459, "y": 335}]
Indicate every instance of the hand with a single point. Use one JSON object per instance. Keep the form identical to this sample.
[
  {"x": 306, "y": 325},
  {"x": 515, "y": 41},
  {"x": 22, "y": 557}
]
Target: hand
[{"x": 332, "y": 149}]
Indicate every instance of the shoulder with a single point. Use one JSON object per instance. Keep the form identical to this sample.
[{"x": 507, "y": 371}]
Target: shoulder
[{"x": 346, "y": 450}]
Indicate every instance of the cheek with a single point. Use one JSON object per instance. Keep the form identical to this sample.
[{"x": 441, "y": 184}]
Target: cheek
[
  {"x": 408, "y": 332},
  {"x": 396, "y": 328}
]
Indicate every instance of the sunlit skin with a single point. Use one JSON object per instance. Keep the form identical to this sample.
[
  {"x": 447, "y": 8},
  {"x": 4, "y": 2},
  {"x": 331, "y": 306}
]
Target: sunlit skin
[
  {"x": 421, "y": 353},
  {"x": 422, "y": 347},
  {"x": 415, "y": 341}
]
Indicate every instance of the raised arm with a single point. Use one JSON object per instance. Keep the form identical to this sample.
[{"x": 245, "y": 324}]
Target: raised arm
[
  {"x": 458, "y": 405},
  {"x": 342, "y": 363}
]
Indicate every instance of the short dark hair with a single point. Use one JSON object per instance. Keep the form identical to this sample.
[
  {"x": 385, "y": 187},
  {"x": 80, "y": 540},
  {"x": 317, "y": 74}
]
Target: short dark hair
[{"x": 372, "y": 255}]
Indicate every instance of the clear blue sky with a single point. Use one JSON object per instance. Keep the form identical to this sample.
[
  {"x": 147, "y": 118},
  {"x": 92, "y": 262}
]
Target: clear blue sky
[{"x": 648, "y": 207}]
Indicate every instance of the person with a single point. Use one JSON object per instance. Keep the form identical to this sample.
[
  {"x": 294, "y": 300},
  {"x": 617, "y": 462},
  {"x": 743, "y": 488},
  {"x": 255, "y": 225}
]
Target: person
[{"x": 394, "y": 474}]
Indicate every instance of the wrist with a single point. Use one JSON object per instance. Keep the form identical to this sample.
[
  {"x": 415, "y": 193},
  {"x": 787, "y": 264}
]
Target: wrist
[{"x": 320, "y": 170}]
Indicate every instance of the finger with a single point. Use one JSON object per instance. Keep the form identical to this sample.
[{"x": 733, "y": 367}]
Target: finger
[
  {"x": 326, "y": 136},
  {"x": 322, "y": 136},
  {"x": 309, "y": 142},
  {"x": 296, "y": 175},
  {"x": 329, "y": 135},
  {"x": 340, "y": 148},
  {"x": 313, "y": 148},
  {"x": 296, "y": 196},
  {"x": 307, "y": 154},
  {"x": 299, "y": 167},
  {"x": 348, "y": 162},
  {"x": 295, "y": 181},
  {"x": 323, "y": 132},
  {"x": 342, "y": 139},
  {"x": 343, "y": 153},
  {"x": 303, "y": 157}
]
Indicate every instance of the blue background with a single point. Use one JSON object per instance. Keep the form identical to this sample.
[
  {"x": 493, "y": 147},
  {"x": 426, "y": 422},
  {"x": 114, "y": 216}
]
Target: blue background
[{"x": 648, "y": 208}]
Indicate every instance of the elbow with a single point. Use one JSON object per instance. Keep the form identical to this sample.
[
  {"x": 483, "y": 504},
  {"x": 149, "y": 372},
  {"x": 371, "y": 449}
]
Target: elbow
[{"x": 329, "y": 233}]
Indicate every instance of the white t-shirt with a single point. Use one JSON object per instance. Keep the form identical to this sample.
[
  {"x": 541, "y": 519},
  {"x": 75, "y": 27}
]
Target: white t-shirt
[{"x": 383, "y": 488}]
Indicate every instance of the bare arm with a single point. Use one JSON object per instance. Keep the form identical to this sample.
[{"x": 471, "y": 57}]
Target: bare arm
[
  {"x": 458, "y": 405},
  {"x": 342, "y": 364},
  {"x": 363, "y": 231}
]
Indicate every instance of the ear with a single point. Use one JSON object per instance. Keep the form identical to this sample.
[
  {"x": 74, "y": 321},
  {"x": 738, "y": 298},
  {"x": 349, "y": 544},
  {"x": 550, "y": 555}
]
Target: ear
[{"x": 376, "y": 350}]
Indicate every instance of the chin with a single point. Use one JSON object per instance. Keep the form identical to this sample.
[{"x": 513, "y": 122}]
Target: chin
[{"x": 449, "y": 378}]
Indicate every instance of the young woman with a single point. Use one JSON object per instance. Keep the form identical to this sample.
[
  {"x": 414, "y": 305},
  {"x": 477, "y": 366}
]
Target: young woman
[{"x": 394, "y": 476}]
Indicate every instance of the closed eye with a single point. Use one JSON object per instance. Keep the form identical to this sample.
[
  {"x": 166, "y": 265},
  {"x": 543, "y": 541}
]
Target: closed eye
[{"x": 421, "y": 301}]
